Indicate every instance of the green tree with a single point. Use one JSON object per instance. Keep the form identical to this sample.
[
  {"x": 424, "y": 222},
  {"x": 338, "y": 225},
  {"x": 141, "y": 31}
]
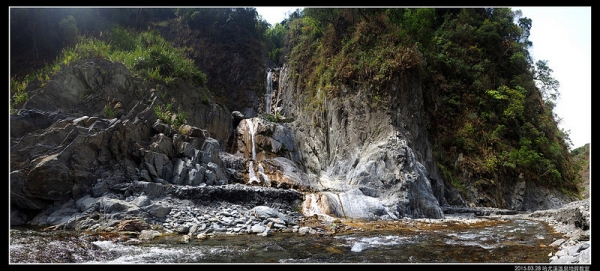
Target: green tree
[
  {"x": 548, "y": 85},
  {"x": 69, "y": 29}
]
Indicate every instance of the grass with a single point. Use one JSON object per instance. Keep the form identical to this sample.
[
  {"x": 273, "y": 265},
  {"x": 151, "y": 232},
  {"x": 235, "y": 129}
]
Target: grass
[{"x": 146, "y": 54}]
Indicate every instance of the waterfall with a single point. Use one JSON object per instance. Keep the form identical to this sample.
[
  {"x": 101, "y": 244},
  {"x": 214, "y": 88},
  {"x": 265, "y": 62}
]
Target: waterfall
[
  {"x": 252, "y": 128},
  {"x": 269, "y": 93},
  {"x": 251, "y": 173},
  {"x": 261, "y": 171}
]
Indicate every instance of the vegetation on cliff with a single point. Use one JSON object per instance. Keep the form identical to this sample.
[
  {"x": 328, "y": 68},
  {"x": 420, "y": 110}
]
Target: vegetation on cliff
[
  {"x": 489, "y": 105},
  {"x": 581, "y": 162}
]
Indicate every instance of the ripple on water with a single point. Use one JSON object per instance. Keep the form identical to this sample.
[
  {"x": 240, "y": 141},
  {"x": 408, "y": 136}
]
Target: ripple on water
[
  {"x": 472, "y": 243},
  {"x": 465, "y": 236},
  {"x": 359, "y": 244},
  {"x": 162, "y": 253}
]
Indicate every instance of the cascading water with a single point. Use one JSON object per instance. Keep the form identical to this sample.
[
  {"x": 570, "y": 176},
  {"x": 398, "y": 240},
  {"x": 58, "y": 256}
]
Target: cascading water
[
  {"x": 252, "y": 174},
  {"x": 261, "y": 171},
  {"x": 252, "y": 127},
  {"x": 269, "y": 93}
]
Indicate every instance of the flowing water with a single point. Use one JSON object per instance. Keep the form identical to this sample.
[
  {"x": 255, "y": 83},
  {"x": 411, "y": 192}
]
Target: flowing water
[
  {"x": 251, "y": 172},
  {"x": 268, "y": 95},
  {"x": 511, "y": 241}
]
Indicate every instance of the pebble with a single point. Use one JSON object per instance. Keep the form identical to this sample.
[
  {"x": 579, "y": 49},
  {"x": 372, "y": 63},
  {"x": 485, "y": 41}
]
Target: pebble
[{"x": 231, "y": 219}]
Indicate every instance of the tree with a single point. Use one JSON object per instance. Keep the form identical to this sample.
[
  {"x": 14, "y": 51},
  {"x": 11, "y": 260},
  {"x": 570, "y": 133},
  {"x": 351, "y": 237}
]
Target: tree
[
  {"x": 68, "y": 25},
  {"x": 542, "y": 74}
]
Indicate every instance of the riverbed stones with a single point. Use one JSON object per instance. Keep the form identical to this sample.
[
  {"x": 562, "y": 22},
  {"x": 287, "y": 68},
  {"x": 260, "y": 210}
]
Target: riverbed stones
[
  {"x": 192, "y": 219},
  {"x": 149, "y": 234}
]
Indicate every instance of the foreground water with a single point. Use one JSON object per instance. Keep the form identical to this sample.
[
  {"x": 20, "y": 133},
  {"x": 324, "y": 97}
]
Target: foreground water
[{"x": 509, "y": 241}]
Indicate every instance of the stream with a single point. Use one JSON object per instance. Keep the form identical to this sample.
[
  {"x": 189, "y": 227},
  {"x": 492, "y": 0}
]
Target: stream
[{"x": 490, "y": 241}]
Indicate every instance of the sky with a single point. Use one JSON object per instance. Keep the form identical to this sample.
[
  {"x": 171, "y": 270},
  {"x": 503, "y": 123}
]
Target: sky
[
  {"x": 563, "y": 37},
  {"x": 275, "y": 15}
]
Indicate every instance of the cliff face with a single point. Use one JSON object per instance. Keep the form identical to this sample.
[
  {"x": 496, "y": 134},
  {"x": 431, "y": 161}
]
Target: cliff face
[
  {"x": 382, "y": 153},
  {"x": 349, "y": 158},
  {"x": 350, "y": 152},
  {"x": 63, "y": 144},
  {"x": 366, "y": 150}
]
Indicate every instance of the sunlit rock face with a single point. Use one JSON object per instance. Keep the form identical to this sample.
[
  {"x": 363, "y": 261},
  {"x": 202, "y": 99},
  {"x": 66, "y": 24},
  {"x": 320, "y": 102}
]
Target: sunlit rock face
[
  {"x": 353, "y": 204},
  {"x": 386, "y": 182},
  {"x": 271, "y": 154},
  {"x": 370, "y": 160},
  {"x": 264, "y": 139}
]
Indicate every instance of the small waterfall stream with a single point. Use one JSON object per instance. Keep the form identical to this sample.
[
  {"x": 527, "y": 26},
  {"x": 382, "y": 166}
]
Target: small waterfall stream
[
  {"x": 261, "y": 171},
  {"x": 253, "y": 178},
  {"x": 269, "y": 93},
  {"x": 252, "y": 174}
]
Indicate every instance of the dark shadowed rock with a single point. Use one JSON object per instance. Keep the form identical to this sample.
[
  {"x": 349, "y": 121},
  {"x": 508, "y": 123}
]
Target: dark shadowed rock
[{"x": 25, "y": 121}]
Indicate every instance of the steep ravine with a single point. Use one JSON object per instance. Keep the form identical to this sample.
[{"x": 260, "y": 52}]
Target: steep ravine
[{"x": 348, "y": 158}]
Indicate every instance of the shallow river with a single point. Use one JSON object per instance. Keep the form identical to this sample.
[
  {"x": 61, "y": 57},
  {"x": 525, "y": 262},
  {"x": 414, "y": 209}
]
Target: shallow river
[{"x": 511, "y": 241}]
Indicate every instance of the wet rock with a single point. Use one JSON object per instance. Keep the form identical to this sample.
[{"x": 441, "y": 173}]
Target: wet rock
[
  {"x": 237, "y": 115},
  {"x": 258, "y": 229},
  {"x": 149, "y": 234},
  {"x": 132, "y": 225},
  {"x": 157, "y": 210},
  {"x": 558, "y": 242},
  {"x": 184, "y": 239}
]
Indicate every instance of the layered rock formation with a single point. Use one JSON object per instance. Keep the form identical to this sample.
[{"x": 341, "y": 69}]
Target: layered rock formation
[{"x": 336, "y": 157}]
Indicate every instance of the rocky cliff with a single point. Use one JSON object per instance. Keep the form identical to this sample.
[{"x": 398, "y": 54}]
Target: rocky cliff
[
  {"x": 366, "y": 155},
  {"x": 341, "y": 156}
]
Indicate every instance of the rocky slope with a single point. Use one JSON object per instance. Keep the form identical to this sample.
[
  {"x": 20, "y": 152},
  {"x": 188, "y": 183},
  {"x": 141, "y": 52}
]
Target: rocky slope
[{"x": 341, "y": 158}]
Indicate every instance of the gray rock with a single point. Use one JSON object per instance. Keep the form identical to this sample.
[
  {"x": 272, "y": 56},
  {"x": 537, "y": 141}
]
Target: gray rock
[
  {"x": 149, "y": 234},
  {"x": 231, "y": 161},
  {"x": 193, "y": 229},
  {"x": 267, "y": 232},
  {"x": 237, "y": 115},
  {"x": 558, "y": 242},
  {"x": 565, "y": 259},
  {"x": 162, "y": 144},
  {"x": 63, "y": 214},
  {"x": 152, "y": 170},
  {"x": 141, "y": 201},
  {"x": 118, "y": 206},
  {"x": 185, "y": 149},
  {"x": 585, "y": 257},
  {"x": 304, "y": 230},
  {"x": 17, "y": 217},
  {"x": 191, "y": 176},
  {"x": 210, "y": 177},
  {"x": 264, "y": 212},
  {"x": 204, "y": 157},
  {"x": 25, "y": 121},
  {"x": 212, "y": 148},
  {"x": 157, "y": 210},
  {"x": 184, "y": 239},
  {"x": 152, "y": 190},
  {"x": 145, "y": 175},
  {"x": 100, "y": 188},
  {"x": 258, "y": 229}
]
